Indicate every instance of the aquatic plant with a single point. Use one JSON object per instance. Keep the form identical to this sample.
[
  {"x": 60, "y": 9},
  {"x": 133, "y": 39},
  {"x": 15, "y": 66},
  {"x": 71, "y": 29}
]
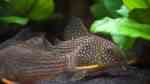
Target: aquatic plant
[
  {"x": 21, "y": 11},
  {"x": 132, "y": 21}
]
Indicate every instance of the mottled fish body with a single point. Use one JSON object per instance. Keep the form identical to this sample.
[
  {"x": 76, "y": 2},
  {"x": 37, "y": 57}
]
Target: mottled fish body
[
  {"x": 25, "y": 61},
  {"x": 90, "y": 50}
]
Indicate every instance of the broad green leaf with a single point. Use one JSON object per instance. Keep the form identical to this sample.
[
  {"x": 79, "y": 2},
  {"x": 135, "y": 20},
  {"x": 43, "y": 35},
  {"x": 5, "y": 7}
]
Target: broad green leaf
[
  {"x": 121, "y": 26},
  {"x": 112, "y": 6},
  {"x": 42, "y": 10},
  {"x": 148, "y": 2},
  {"x": 140, "y": 15},
  {"x": 103, "y": 8},
  {"x": 99, "y": 11},
  {"x": 106, "y": 25},
  {"x": 14, "y": 19},
  {"x": 134, "y": 29},
  {"x": 123, "y": 11},
  {"x": 132, "y": 4},
  {"x": 33, "y": 9},
  {"x": 21, "y": 6},
  {"x": 123, "y": 42}
]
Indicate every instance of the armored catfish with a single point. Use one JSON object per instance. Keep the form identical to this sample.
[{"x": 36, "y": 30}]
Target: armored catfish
[
  {"x": 76, "y": 29},
  {"x": 24, "y": 62}
]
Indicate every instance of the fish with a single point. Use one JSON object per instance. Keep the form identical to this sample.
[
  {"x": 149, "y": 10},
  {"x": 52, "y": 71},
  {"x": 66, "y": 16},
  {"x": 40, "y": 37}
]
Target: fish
[
  {"x": 25, "y": 63},
  {"x": 74, "y": 29},
  {"x": 91, "y": 52},
  {"x": 80, "y": 53},
  {"x": 22, "y": 36}
]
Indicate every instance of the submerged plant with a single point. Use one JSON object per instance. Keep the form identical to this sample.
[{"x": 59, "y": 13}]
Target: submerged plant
[
  {"x": 133, "y": 23},
  {"x": 20, "y": 11}
]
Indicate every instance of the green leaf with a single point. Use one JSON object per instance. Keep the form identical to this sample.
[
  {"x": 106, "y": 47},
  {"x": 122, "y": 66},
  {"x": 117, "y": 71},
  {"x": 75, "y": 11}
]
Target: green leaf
[
  {"x": 112, "y": 6},
  {"x": 106, "y": 25},
  {"x": 14, "y": 19},
  {"x": 20, "y": 7},
  {"x": 132, "y": 4},
  {"x": 123, "y": 42},
  {"x": 140, "y": 15},
  {"x": 42, "y": 10},
  {"x": 123, "y": 11},
  {"x": 122, "y": 27},
  {"x": 99, "y": 11},
  {"x": 103, "y": 8},
  {"x": 134, "y": 29},
  {"x": 33, "y": 9}
]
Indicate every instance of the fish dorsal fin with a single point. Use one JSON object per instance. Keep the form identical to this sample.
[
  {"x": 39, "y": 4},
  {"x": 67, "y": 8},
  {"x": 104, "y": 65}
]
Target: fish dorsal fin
[
  {"x": 74, "y": 29},
  {"x": 19, "y": 37},
  {"x": 38, "y": 42}
]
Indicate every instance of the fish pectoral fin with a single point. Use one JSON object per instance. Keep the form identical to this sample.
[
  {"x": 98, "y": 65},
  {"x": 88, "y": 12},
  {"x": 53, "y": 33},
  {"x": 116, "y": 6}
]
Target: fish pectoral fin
[
  {"x": 83, "y": 71},
  {"x": 90, "y": 67}
]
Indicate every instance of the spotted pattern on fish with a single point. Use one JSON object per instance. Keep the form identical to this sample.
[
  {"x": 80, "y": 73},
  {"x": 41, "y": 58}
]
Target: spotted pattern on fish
[
  {"x": 91, "y": 49},
  {"x": 24, "y": 61}
]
